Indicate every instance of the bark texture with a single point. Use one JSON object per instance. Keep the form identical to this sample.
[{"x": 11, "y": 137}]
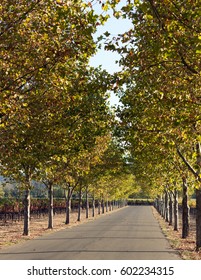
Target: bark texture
[
  {"x": 27, "y": 202},
  {"x": 68, "y": 206},
  {"x": 185, "y": 210},
  {"x": 93, "y": 207},
  {"x": 176, "y": 210},
  {"x": 51, "y": 203},
  {"x": 166, "y": 207},
  {"x": 170, "y": 209},
  {"x": 87, "y": 204},
  {"x": 198, "y": 219},
  {"x": 79, "y": 205}
]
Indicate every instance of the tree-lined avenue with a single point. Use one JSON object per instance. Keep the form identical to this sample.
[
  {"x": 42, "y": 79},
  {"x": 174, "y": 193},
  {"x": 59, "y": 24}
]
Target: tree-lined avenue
[{"x": 57, "y": 128}]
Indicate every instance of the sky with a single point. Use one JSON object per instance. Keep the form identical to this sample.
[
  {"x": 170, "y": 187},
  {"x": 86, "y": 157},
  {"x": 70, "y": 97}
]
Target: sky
[{"x": 107, "y": 58}]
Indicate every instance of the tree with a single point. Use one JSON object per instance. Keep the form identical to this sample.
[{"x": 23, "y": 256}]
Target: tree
[
  {"x": 43, "y": 44},
  {"x": 161, "y": 72}
]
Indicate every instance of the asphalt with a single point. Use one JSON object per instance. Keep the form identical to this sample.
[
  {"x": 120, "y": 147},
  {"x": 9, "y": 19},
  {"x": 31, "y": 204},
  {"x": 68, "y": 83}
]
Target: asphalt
[{"x": 131, "y": 233}]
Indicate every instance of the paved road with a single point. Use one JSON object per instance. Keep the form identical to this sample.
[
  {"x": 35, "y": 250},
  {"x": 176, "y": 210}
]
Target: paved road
[{"x": 131, "y": 233}]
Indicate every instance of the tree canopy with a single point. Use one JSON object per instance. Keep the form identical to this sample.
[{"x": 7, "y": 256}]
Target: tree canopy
[
  {"x": 159, "y": 88},
  {"x": 55, "y": 121}
]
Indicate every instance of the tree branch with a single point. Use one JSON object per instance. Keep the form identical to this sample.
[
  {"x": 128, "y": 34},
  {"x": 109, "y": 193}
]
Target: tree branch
[
  {"x": 156, "y": 13},
  {"x": 189, "y": 165},
  {"x": 191, "y": 69},
  {"x": 21, "y": 18}
]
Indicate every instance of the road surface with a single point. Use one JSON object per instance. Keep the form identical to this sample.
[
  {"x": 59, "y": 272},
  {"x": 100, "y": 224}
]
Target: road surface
[{"x": 131, "y": 233}]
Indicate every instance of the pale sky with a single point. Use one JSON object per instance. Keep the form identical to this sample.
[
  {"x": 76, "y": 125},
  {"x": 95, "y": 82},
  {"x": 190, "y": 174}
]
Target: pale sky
[{"x": 107, "y": 58}]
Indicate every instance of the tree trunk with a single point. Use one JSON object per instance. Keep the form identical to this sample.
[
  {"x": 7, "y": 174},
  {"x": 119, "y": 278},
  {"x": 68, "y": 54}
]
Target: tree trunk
[
  {"x": 87, "y": 204},
  {"x": 27, "y": 202},
  {"x": 107, "y": 205},
  {"x": 170, "y": 209},
  {"x": 68, "y": 206},
  {"x": 156, "y": 204},
  {"x": 160, "y": 205},
  {"x": 166, "y": 207},
  {"x": 198, "y": 199},
  {"x": 93, "y": 207},
  {"x": 103, "y": 206},
  {"x": 110, "y": 206},
  {"x": 198, "y": 219},
  {"x": 79, "y": 205},
  {"x": 185, "y": 210},
  {"x": 176, "y": 210},
  {"x": 99, "y": 207},
  {"x": 50, "y": 208},
  {"x": 163, "y": 206}
]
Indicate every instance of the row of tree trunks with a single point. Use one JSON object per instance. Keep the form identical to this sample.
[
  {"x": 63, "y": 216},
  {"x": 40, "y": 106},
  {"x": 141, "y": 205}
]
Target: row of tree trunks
[
  {"x": 196, "y": 173},
  {"x": 101, "y": 209},
  {"x": 167, "y": 206},
  {"x": 172, "y": 211},
  {"x": 102, "y": 205}
]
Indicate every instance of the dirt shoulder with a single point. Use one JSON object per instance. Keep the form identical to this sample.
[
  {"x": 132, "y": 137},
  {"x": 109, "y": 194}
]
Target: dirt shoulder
[{"x": 186, "y": 247}]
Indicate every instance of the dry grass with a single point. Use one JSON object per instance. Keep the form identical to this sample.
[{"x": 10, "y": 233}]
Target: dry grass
[{"x": 186, "y": 247}]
